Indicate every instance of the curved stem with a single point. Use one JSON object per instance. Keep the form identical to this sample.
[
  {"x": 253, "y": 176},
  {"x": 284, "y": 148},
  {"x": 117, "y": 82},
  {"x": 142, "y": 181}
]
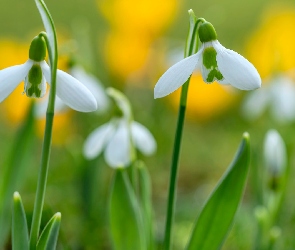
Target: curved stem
[
  {"x": 193, "y": 46},
  {"x": 46, "y": 149}
]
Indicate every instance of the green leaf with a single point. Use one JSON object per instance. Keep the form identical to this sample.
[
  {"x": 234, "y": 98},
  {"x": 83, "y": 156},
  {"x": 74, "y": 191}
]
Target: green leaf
[
  {"x": 14, "y": 171},
  {"x": 218, "y": 213},
  {"x": 146, "y": 203},
  {"x": 20, "y": 234},
  {"x": 50, "y": 29},
  {"x": 48, "y": 238},
  {"x": 125, "y": 219}
]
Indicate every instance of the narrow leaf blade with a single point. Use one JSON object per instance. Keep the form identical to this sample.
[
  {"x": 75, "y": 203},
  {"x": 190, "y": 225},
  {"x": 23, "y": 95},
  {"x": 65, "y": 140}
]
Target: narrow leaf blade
[
  {"x": 49, "y": 236},
  {"x": 146, "y": 203},
  {"x": 14, "y": 171},
  {"x": 218, "y": 213},
  {"x": 125, "y": 220},
  {"x": 20, "y": 234}
]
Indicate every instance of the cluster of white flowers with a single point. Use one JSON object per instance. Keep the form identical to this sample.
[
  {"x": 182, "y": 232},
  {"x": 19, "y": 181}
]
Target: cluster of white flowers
[{"x": 122, "y": 135}]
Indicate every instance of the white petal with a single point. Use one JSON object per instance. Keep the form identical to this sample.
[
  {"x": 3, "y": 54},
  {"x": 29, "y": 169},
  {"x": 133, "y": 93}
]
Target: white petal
[
  {"x": 236, "y": 69},
  {"x": 274, "y": 152},
  {"x": 11, "y": 77},
  {"x": 97, "y": 140},
  {"x": 118, "y": 151},
  {"x": 176, "y": 75},
  {"x": 143, "y": 139},
  {"x": 283, "y": 100},
  {"x": 255, "y": 103},
  {"x": 94, "y": 85},
  {"x": 71, "y": 91}
]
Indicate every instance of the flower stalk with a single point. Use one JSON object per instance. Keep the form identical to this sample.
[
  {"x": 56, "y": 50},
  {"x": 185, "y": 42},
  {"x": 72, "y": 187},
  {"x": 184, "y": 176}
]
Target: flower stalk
[
  {"x": 46, "y": 149},
  {"x": 191, "y": 48}
]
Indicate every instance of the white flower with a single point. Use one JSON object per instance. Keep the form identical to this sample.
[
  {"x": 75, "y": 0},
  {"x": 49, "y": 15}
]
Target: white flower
[
  {"x": 116, "y": 138},
  {"x": 275, "y": 152},
  {"x": 36, "y": 72},
  {"x": 119, "y": 137},
  {"x": 215, "y": 62},
  {"x": 278, "y": 94}
]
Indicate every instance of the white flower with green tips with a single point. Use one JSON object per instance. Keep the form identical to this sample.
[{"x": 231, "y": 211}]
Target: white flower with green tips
[
  {"x": 119, "y": 137},
  {"x": 35, "y": 72},
  {"x": 215, "y": 62}
]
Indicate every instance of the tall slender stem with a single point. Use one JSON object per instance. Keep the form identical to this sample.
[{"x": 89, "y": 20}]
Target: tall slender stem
[
  {"x": 46, "y": 149},
  {"x": 192, "y": 45},
  {"x": 42, "y": 180}
]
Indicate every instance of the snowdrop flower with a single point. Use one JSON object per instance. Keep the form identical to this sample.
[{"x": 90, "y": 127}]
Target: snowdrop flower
[
  {"x": 278, "y": 95},
  {"x": 119, "y": 136},
  {"x": 275, "y": 152},
  {"x": 215, "y": 62},
  {"x": 90, "y": 82},
  {"x": 35, "y": 72}
]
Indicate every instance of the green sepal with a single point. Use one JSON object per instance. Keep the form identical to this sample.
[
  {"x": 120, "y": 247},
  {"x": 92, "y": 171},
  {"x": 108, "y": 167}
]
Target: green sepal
[
  {"x": 20, "y": 234},
  {"x": 217, "y": 215},
  {"x": 207, "y": 32},
  {"x": 125, "y": 218},
  {"x": 49, "y": 236},
  {"x": 37, "y": 50}
]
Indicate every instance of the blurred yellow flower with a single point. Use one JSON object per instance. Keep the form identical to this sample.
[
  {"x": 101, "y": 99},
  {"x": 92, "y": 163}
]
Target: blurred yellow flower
[
  {"x": 134, "y": 27},
  {"x": 205, "y": 101},
  {"x": 60, "y": 131},
  {"x": 126, "y": 53},
  {"x": 144, "y": 16},
  {"x": 271, "y": 48}
]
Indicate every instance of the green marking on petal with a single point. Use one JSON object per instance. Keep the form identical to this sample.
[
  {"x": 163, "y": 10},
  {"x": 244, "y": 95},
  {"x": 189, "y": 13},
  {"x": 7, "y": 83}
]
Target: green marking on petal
[
  {"x": 34, "y": 79},
  {"x": 214, "y": 74},
  {"x": 209, "y": 58},
  {"x": 210, "y": 63}
]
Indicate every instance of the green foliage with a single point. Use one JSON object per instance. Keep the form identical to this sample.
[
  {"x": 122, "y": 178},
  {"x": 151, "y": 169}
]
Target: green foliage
[
  {"x": 14, "y": 171},
  {"x": 48, "y": 238},
  {"x": 217, "y": 215},
  {"x": 125, "y": 219},
  {"x": 20, "y": 235},
  {"x": 146, "y": 203}
]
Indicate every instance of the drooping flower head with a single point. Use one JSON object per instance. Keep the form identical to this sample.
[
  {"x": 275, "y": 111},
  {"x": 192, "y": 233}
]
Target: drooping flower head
[
  {"x": 215, "y": 62},
  {"x": 36, "y": 72},
  {"x": 120, "y": 136}
]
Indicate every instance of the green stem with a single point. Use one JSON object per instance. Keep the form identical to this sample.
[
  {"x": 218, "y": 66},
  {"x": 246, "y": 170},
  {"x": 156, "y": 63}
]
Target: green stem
[
  {"x": 193, "y": 46},
  {"x": 46, "y": 149}
]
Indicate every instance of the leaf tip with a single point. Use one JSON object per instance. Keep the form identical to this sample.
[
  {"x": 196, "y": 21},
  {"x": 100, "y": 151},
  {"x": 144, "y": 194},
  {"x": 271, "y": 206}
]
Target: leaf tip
[
  {"x": 246, "y": 136},
  {"x": 16, "y": 196},
  {"x": 57, "y": 216}
]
